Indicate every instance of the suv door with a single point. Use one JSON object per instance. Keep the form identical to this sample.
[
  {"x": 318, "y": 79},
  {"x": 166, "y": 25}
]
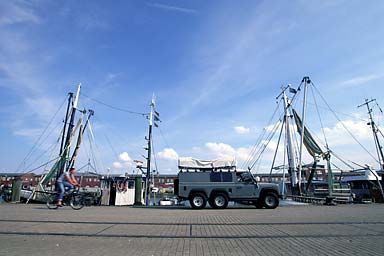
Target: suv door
[{"x": 244, "y": 187}]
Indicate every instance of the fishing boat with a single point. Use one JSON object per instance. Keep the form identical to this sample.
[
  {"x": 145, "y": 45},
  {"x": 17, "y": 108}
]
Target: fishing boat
[
  {"x": 67, "y": 157},
  {"x": 300, "y": 179}
]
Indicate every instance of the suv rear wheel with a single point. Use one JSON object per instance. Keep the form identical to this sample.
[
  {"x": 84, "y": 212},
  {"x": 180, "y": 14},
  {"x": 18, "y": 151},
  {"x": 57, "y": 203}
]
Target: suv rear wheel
[
  {"x": 270, "y": 200},
  {"x": 198, "y": 201},
  {"x": 219, "y": 201}
]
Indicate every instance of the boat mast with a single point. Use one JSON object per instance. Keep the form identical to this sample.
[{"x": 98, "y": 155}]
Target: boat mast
[
  {"x": 71, "y": 162},
  {"x": 70, "y": 128},
  {"x": 70, "y": 96},
  {"x": 149, "y": 147},
  {"x": 375, "y": 130},
  {"x": 306, "y": 81},
  {"x": 288, "y": 135}
]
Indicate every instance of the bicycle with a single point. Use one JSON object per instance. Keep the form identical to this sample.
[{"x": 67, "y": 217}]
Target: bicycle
[{"x": 72, "y": 198}]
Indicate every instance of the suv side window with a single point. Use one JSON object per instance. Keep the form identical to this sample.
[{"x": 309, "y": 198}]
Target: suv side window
[
  {"x": 227, "y": 176},
  {"x": 221, "y": 177},
  {"x": 215, "y": 177}
]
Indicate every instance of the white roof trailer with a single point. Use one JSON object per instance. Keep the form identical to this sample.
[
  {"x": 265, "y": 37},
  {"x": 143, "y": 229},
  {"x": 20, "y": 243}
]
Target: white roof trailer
[{"x": 189, "y": 163}]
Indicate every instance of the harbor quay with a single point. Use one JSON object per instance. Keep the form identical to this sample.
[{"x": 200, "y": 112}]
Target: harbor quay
[{"x": 290, "y": 229}]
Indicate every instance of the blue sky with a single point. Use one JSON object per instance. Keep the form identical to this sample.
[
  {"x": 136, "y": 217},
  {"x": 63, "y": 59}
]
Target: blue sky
[{"x": 215, "y": 68}]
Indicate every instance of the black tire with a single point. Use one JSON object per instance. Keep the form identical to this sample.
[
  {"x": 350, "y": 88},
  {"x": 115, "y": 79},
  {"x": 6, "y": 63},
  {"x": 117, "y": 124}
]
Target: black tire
[
  {"x": 219, "y": 201},
  {"x": 198, "y": 201},
  {"x": 52, "y": 201},
  {"x": 270, "y": 200},
  {"x": 77, "y": 202}
]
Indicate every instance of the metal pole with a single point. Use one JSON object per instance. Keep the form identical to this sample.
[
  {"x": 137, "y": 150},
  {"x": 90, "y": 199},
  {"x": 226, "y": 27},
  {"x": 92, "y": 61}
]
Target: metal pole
[
  {"x": 70, "y": 126},
  {"x": 306, "y": 81},
  {"x": 62, "y": 146},
  {"x": 70, "y": 95},
  {"x": 379, "y": 150},
  {"x": 147, "y": 185},
  {"x": 290, "y": 153},
  {"x": 377, "y": 142}
]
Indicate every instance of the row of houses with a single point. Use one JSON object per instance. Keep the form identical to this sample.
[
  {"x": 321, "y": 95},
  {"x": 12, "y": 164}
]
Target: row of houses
[
  {"x": 163, "y": 182},
  {"x": 89, "y": 180}
]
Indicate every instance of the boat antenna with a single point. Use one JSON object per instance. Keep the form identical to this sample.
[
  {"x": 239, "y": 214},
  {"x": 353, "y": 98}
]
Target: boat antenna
[{"x": 375, "y": 130}]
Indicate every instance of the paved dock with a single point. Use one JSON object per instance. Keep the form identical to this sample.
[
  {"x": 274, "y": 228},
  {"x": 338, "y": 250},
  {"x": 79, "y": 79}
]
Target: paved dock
[{"x": 288, "y": 230}]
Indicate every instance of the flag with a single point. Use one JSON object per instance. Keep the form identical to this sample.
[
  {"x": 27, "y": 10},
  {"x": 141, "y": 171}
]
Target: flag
[
  {"x": 139, "y": 163},
  {"x": 292, "y": 90},
  {"x": 156, "y": 125},
  {"x": 156, "y": 115}
]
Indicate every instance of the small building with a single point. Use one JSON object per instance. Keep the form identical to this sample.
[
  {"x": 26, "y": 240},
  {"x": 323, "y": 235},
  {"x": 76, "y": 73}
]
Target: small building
[{"x": 118, "y": 189}]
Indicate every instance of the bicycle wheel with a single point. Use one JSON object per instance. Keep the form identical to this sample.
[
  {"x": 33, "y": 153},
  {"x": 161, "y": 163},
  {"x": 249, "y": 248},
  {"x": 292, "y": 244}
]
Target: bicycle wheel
[
  {"x": 52, "y": 201},
  {"x": 77, "y": 202}
]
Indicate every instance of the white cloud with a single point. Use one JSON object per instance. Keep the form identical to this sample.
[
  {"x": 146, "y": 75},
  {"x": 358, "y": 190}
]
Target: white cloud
[
  {"x": 172, "y": 8},
  {"x": 117, "y": 165},
  {"x": 124, "y": 161},
  {"x": 13, "y": 12},
  {"x": 127, "y": 164},
  {"x": 225, "y": 150},
  {"x": 32, "y": 132},
  {"x": 338, "y": 135},
  {"x": 271, "y": 127},
  {"x": 359, "y": 80},
  {"x": 168, "y": 154},
  {"x": 42, "y": 107},
  {"x": 241, "y": 130},
  {"x": 125, "y": 157},
  {"x": 91, "y": 21}
]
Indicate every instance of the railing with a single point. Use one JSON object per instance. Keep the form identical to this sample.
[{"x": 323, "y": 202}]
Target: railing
[{"x": 339, "y": 198}]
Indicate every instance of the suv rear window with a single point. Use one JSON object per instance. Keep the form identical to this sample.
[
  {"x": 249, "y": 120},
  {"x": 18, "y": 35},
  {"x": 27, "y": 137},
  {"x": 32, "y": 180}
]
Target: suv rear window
[{"x": 221, "y": 177}]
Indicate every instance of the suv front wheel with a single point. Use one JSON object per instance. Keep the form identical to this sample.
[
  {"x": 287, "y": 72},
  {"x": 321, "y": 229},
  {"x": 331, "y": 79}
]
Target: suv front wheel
[{"x": 198, "y": 201}]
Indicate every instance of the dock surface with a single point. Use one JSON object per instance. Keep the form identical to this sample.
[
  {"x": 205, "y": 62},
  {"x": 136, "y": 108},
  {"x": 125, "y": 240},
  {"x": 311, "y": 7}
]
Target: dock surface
[{"x": 288, "y": 230}]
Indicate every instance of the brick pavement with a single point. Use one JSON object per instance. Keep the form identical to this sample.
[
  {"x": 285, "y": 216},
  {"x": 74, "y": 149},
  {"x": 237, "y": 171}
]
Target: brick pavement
[{"x": 292, "y": 230}]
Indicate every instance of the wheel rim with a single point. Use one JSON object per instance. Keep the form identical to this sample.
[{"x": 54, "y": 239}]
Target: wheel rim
[
  {"x": 270, "y": 201},
  {"x": 52, "y": 202},
  {"x": 76, "y": 202},
  {"x": 198, "y": 201},
  {"x": 219, "y": 201}
]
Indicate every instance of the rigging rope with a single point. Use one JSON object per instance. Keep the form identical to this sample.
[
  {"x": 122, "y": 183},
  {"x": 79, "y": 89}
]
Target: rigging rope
[
  {"x": 321, "y": 121},
  {"x": 162, "y": 135},
  {"x": 38, "y": 139},
  {"x": 341, "y": 122},
  {"x": 277, "y": 148},
  {"x": 264, "y": 146},
  {"x": 34, "y": 169},
  {"x": 154, "y": 155},
  {"x": 110, "y": 145},
  {"x": 50, "y": 148},
  {"x": 115, "y": 108},
  {"x": 90, "y": 133},
  {"x": 259, "y": 140}
]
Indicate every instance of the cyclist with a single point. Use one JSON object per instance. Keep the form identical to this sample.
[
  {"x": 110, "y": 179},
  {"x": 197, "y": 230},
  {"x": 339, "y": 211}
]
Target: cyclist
[{"x": 66, "y": 180}]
